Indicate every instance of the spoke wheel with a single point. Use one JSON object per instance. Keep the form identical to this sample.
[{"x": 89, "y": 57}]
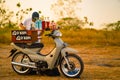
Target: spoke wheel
[
  {"x": 76, "y": 66},
  {"x": 21, "y": 58}
]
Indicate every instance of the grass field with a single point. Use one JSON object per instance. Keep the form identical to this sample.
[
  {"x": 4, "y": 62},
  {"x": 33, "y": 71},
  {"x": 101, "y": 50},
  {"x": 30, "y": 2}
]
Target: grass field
[{"x": 83, "y": 36}]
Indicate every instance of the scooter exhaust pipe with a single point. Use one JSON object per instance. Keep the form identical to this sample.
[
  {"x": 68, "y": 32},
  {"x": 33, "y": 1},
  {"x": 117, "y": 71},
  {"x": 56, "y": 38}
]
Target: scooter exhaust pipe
[{"x": 24, "y": 65}]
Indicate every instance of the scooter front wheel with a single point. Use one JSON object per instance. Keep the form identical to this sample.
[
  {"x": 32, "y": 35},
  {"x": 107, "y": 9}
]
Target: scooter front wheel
[
  {"x": 75, "y": 67},
  {"x": 21, "y": 58}
]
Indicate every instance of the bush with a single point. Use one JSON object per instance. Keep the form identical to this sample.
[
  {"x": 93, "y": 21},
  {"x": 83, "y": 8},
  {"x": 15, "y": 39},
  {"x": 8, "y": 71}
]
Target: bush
[
  {"x": 5, "y": 35},
  {"x": 74, "y": 37},
  {"x": 89, "y": 36}
]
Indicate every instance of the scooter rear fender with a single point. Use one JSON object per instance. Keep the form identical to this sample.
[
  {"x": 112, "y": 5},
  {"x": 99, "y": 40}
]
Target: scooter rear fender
[
  {"x": 13, "y": 51},
  {"x": 32, "y": 54}
]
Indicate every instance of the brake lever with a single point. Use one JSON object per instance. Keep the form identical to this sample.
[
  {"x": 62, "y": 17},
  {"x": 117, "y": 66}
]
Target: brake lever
[{"x": 48, "y": 34}]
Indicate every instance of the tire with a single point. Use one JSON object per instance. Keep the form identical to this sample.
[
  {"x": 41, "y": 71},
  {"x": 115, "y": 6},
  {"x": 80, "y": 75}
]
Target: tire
[
  {"x": 20, "y": 58},
  {"x": 76, "y": 67}
]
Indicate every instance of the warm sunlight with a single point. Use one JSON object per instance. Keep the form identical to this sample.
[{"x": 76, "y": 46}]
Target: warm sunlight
[
  {"x": 59, "y": 39},
  {"x": 97, "y": 11}
]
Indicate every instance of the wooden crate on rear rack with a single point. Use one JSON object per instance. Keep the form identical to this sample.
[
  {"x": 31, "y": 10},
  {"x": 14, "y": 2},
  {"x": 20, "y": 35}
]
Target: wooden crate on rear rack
[{"x": 24, "y": 36}]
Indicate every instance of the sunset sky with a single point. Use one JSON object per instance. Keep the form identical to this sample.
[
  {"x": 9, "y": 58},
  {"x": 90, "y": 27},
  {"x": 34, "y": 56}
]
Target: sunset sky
[{"x": 98, "y": 11}]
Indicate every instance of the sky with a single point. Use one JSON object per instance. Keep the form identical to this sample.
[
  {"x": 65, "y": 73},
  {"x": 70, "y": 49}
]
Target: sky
[
  {"x": 97, "y": 11},
  {"x": 101, "y": 11}
]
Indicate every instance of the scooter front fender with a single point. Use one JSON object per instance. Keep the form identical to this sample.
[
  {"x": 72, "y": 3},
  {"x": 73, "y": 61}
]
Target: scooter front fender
[{"x": 68, "y": 50}]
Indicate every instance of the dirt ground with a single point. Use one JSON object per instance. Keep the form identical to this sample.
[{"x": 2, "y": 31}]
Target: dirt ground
[{"x": 101, "y": 63}]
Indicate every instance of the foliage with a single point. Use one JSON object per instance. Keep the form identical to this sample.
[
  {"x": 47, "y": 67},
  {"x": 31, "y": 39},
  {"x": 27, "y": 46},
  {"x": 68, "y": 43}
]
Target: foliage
[
  {"x": 65, "y": 8},
  {"x": 5, "y": 15},
  {"x": 5, "y": 34},
  {"x": 91, "y": 36},
  {"x": 22, "y": 12},
  {"x": 113, "y": 26},
  {"x": 70, "y": 23}
]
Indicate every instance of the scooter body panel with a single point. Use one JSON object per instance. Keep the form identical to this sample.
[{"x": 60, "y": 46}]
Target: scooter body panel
[
  {"x": 51, "y": 58},
  {"x": 68, "y": 50}
]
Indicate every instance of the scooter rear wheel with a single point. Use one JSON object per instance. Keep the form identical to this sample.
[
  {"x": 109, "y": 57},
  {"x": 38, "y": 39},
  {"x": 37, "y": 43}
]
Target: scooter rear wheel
[
  {"x": 76, "y": 66},
  {"x": 21, "y": 58}
]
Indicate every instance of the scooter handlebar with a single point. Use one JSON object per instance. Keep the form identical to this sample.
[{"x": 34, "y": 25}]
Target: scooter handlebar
[{"x": 48, "y": 35}]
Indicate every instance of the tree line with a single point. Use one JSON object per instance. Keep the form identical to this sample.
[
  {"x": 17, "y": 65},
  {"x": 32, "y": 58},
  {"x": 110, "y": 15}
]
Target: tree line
[{"x": 64, "y": 10}]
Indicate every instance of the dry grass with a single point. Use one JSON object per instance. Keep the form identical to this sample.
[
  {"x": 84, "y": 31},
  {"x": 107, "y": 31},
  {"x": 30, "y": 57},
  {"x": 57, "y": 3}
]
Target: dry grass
[
  {"x": 101, "y": 63},
  {"x": 73, "y": 37},
  {"x": 90, "y": 36}
]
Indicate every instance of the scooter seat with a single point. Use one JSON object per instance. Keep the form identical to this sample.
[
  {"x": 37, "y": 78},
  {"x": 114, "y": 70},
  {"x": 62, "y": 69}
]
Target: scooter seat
[
  {"x": 36, "y": 45},
  {"x": 33, "y": 45}
]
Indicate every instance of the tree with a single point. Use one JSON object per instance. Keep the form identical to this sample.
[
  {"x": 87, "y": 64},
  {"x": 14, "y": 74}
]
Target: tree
[
  {"x": 114, "y": 26},
  {"x": 70, "y": 23},
  {"x": 5, "y": 15},
  {"x": 86, "y": 21},
  {"x": 65, "y": 8},
  {"x": 21, "y": 12},
  {"x": 65, "y": 11}
]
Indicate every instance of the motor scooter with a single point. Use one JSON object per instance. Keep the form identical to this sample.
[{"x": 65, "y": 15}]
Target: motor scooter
[{"x": 26, "y": 58}]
